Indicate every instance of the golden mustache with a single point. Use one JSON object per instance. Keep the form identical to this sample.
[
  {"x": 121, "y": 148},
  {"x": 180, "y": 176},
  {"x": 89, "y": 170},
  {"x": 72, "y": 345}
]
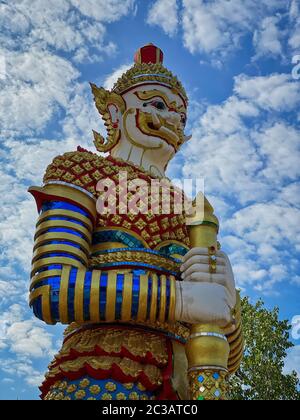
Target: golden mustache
[{"x": 153, "y": 125}]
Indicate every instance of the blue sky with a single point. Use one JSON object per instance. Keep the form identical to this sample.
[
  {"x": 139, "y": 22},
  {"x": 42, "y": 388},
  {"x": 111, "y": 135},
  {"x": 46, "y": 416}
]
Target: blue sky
[{"x": 235, "y": 60}]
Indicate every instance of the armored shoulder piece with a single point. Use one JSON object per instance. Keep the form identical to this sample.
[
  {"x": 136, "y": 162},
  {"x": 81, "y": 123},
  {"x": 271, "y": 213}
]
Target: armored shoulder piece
[{"x": 80, "y": 168}]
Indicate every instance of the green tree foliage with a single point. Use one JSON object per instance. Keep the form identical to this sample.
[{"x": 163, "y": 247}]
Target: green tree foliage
[{"x": 260, "y": 376}]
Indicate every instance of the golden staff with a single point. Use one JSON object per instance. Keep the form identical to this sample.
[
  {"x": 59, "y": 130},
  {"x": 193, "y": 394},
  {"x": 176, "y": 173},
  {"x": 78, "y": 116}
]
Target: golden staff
[{"x": 207, "y": 349}]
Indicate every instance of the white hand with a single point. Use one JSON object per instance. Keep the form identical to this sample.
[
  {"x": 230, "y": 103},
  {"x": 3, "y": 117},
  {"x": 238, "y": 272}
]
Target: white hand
[
  {"x": 202, "y": 303},
  {"x": 195, "y": 268}
]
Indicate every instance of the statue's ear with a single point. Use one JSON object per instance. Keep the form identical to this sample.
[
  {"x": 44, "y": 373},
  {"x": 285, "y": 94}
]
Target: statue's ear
[
  {"x": 110, "y": 106},
  {"x": 115, "y": 114}
]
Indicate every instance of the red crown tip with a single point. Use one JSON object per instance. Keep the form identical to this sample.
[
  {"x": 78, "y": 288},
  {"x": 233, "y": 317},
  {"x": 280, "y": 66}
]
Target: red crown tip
[{"x": 149, "y": 54}]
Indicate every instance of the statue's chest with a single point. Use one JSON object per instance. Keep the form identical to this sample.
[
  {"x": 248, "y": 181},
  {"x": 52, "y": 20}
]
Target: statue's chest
[
  {"x": 149, "y": 216},
  {"x": 147, "y": 211}
]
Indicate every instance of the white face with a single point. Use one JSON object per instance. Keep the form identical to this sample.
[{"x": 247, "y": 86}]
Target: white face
[{"x": 155, "y": 118}]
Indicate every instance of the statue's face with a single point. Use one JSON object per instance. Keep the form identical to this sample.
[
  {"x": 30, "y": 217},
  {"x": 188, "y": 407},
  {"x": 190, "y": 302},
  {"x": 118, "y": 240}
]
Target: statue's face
[{"x": 155, "y": 117}]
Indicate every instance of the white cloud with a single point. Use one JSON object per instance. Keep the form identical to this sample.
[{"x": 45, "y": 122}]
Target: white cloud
[
  {"x": 217, "y": 27},
  {"x": 104, "y": 10},
  {"x": 201, "y": 30},
  {"x": 279, "y": 144},
  {"x": 10, "y": 287},
  {"x": 267, "y": 39},
  {"x": 296, "y": 280},
  {"x": 22, "y": 368},
  {"x": 237, "y": 147},
  {"x": 35, "y": 379},
  {"x": 220, "y": 143},
  {"x": 263, "y": 223},
  {"x": 28, "y": 339},
  {"x": 112, "y": 78},
  {"x": 24, "y": 337},
  {"x": 294, "y": 39},
  {"x": 164, "y": 13},
  {"x": 291, "y": 194},
  {"x": 37, "y": 83},
  {"x": 277, "y": 92},
  {"x": 257, "y": 255},
  {"x": 294, "y": 9},
  {"x": 228, "y": 117},
  {"x": 7, "y": 380},
  {"x": 292, "y": 362},
  {"x": 66, "y": 25}
]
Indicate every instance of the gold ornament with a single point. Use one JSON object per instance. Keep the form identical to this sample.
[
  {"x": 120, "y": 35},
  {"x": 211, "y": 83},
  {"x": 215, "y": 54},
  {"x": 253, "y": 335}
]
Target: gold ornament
[
  {"x": 127, "y": 366},
  {"x": 95, "y": 389},
  {"x": 84, "y": 383},
  {"x": 106, "y": 396},
  {"x": 134, "y": 396},
  {"x": 79, "y": 395},
  {"x": 141, "y": 387},
  {"x": 103, "y": 98},
  {"x": 208, "y": 385},
  {"x": 110, "y": 386},
  {"x": 137, "y": 257},
  {"x": 149, "y": 72},
  {"x": 63, "y": 385},
  {"x": 121, "y": 396},
  {"x": 128, "y": 385},
  {"x": 71, "y": 388}
]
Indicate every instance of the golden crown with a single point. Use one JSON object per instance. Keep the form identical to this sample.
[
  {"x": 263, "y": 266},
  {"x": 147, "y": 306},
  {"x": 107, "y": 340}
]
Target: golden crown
[{"x": 149, "y": 68}]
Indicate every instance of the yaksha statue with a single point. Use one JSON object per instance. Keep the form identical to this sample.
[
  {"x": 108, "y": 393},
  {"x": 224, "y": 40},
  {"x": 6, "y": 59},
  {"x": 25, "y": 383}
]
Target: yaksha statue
[{"x": 148, "y": 297}]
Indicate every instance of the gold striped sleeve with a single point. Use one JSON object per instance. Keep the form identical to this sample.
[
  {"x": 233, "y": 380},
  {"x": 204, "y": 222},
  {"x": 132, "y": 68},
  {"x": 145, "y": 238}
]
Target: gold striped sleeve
[
  {"x": 143, "y": 298},
  {"x": 70, "y": 193},
  {"x": 171, "y": 317},
  {"x": 163, "y": 298},
  {"x": 44, "y": 293},
  {"x": 95, "y": 296},
  {"x": 62, "y": 236},
  {"x": 63, "y": 294},
  {"x": 68, "y": 249},
  {"x": 66, "y": 214},
  {"x": 110, "y": 310},
  {"x": 78, "y": 296},
  {"x": 153, "y": 303},
  {"x": 44, "y": 262},
  {"x": 44, "y": 226},
  {"x": 43, "y": 276},
  {"x": 127, "y": 298}
]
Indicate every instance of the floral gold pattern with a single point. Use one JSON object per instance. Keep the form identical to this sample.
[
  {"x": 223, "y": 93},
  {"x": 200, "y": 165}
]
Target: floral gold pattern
[{"x": 95, "y": 389}]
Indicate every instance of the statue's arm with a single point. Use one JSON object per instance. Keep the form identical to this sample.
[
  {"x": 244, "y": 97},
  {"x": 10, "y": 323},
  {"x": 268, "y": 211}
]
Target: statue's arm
[{"x": 63, "y": 287}]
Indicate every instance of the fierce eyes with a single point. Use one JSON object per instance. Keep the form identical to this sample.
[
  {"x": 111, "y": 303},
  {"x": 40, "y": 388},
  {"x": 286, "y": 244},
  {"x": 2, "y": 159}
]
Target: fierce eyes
[{"x": 161, "y": 106}]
